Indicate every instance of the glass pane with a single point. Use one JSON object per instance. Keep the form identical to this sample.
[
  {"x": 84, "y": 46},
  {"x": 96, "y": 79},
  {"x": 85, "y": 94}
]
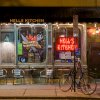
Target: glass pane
[
  {"x": 7, "y": 49},
  {"x": 31, "y": 44},
  {"x": 65, "y": 43}
]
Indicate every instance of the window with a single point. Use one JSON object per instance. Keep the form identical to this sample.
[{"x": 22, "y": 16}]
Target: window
[
  {"x": 65, "y": 43},
  {"x": 31, "y": 44},
  {"x": 7, "y": 48}
]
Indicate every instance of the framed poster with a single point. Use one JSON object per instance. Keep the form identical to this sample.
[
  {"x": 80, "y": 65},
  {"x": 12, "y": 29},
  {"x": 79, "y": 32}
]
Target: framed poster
[{"x": 31, "y": 44}]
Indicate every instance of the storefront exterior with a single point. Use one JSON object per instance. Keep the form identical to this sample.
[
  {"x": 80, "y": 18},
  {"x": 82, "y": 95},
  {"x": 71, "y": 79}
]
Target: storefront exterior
[
  {"x": 41, "y": 42},
  {"x": 35, "y": 45},
  {"x": 23, "y": 44}
]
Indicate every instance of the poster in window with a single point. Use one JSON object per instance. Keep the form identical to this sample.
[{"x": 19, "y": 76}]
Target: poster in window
[{"x": 31, "y": 44}]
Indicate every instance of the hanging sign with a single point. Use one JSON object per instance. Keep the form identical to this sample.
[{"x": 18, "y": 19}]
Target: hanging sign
[{"x": 65, "y": 55}]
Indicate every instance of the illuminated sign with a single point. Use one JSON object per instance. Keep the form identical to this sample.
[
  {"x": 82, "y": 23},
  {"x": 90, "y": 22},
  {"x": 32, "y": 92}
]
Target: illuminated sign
[{"x": 66, "y": 44}]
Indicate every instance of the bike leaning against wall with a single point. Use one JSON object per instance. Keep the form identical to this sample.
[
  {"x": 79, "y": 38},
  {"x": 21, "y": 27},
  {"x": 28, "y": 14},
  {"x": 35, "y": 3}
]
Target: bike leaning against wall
[{"x": 83, "y": 81}]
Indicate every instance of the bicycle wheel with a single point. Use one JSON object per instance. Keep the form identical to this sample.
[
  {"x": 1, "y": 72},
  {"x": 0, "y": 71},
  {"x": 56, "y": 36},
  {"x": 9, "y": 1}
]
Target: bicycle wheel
[
  {"x": 65, "y": 83},
  {"x": 88, "y": 85}
]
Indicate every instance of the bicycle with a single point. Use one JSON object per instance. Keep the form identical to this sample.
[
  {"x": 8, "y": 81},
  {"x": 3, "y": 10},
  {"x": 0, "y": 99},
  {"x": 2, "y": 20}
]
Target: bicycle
[{"x": 85, "y": 82}]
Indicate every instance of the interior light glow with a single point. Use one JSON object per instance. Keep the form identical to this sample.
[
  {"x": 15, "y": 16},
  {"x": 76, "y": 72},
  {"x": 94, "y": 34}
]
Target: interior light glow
[
  {"x": 95, "y": 25},
  {"x": 97, "y": 30},
  {"x": 45, "y": 25}
]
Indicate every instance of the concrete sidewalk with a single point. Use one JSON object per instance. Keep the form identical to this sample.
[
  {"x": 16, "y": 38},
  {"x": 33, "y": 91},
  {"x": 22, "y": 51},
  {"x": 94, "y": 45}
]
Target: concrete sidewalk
[{"x": 42, "y": 91}]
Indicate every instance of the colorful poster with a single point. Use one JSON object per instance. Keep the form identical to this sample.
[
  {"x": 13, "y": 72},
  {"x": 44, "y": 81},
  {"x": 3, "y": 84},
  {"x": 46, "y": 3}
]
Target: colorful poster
[{"x": 31, "y": 44}]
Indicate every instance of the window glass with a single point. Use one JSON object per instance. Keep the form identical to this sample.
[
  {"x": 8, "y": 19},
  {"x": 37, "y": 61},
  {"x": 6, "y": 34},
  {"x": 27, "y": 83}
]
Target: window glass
[
  {"x": 65, "y": 43},
  {"x": 7, "y": 47},
  {"x": 31, "y": 44}
]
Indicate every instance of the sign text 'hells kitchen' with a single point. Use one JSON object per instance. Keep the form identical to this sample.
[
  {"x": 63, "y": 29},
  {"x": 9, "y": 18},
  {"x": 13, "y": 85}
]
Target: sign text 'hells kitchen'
[
  {"x": 26, "y": 20},
  {"x": 66, "y": 44}
]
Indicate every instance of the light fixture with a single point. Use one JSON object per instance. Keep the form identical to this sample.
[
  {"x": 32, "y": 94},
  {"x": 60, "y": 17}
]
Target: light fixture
[
  {"x": 95, "y": 24},
  {"x": 45, "y": 25},
  {"x": 97, "y": 30}
]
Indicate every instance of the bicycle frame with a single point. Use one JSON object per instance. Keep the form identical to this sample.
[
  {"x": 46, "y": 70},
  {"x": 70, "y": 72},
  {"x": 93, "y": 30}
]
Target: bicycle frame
[{"x": 84, "y": 81}]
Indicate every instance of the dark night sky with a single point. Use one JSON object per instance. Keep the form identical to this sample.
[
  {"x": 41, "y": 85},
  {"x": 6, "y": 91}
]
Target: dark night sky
[{"x": 51, "y": 14}]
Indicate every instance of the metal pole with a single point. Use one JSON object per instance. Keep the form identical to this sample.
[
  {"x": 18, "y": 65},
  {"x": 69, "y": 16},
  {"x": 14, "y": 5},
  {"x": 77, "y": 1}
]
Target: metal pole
[
  {"x": 74, "y": 69},
  {"x": 75, "y": 32}
]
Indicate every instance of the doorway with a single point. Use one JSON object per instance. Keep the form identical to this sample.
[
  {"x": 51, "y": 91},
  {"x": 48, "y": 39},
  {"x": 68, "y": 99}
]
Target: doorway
[{"x": 94, "y": 59}]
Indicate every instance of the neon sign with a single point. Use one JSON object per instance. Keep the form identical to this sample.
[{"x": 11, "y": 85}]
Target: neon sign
[{"x": 66, "y": 44}]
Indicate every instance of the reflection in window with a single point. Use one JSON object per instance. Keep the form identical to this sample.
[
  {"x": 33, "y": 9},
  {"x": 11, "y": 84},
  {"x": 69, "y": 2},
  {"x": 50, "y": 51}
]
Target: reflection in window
[
  {"x": 7, "y": 47},
  {"x": 31, "y": 44}
]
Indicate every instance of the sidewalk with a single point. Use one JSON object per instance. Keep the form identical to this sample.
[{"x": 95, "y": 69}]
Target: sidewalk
[{"x": 42, "y": 91}]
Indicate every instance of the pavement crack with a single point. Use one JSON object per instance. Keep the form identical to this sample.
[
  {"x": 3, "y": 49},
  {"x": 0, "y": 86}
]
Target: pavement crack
[
  {"x": 55, "y": 91},
  {"x": 24, "y": 92}
]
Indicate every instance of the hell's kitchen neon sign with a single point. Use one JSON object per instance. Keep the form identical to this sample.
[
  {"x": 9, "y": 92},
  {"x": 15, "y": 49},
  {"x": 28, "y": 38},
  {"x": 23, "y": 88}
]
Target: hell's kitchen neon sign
[{"x": 66, "y": 44}]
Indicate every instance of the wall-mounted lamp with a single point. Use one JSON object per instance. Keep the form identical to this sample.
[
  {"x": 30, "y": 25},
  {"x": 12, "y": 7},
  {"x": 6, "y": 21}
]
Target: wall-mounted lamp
[{"x": 97, "y": 30}]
